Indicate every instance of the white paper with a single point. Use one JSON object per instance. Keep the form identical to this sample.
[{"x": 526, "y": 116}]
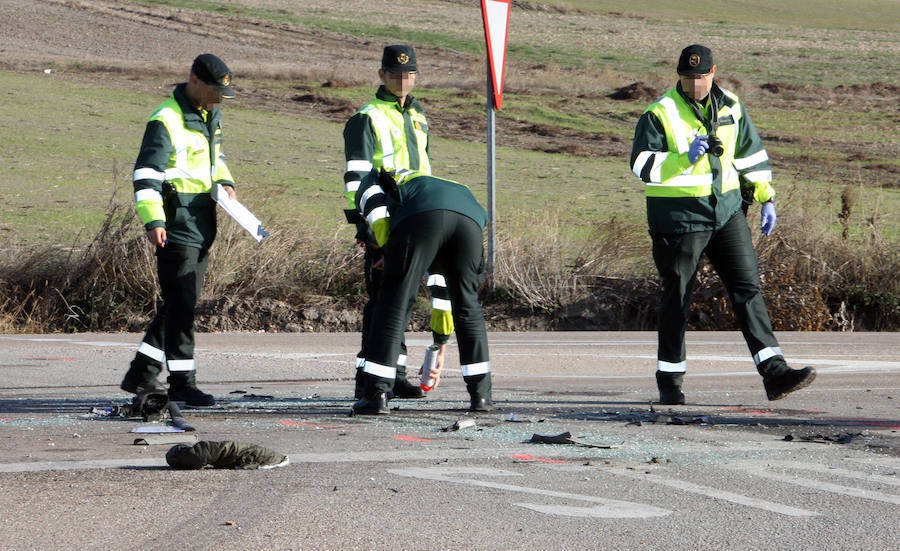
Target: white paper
[{"x": 239, "y": 212}]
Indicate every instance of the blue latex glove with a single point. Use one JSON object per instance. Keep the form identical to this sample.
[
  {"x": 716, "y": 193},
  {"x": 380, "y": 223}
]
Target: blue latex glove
[
  {"x": 698, "y": 148},
  {"x": 768, "y": 218}
]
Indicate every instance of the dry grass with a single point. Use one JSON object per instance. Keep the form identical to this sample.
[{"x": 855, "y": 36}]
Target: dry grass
[
  {"x": 548, "y": 274},
  {"x": 853, "y": 281},
  {"x": 813, "y": 279}
]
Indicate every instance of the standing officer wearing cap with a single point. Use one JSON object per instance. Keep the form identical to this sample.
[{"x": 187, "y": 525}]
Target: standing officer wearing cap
[
  {"x": 416, "y": 219},
  {"x": 697, "y": 150},
  {"x": 179, "y": 165},
  {"x": 391, "y": 132}
]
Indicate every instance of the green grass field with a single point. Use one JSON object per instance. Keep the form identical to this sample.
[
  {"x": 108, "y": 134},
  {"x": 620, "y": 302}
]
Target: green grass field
[
  {"x": 68, "y": 161},
  {"x": 78, "y": 145}
]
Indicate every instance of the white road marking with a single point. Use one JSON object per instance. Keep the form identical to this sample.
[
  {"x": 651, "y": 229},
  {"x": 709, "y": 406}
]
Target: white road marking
[
  {"x": 276, "y": 355},
  {"x": 707, "y": 491},
  {"x": 598, "y": 511},
  {"x": 81, "y": 465},
  {"x": 839, "y": 471},
  {"x": 35, "y": 339},
  {"x": 830, "y": 365},
  {"x": 890, "y": 462},
  {"x": 608, "y": 508},
  {"x": 103, "y": 343},
  {"x": 762, "y": 471},
  {"x": 397, "y": 456}
]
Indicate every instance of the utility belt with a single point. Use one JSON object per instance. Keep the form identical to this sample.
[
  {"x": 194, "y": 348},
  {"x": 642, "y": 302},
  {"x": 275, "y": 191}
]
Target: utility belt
[
  {"x": 190, "y": 205},
  {"x": 179, "y": 199}
]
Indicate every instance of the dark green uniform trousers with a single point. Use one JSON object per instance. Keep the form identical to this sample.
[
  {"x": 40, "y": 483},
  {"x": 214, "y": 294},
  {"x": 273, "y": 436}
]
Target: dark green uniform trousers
[
  {"x": 455, "y": 241},
  {"x": 373, "y": 278},
  {"x": 170, "y": 337},
  {"x": 730, "y": 250}
]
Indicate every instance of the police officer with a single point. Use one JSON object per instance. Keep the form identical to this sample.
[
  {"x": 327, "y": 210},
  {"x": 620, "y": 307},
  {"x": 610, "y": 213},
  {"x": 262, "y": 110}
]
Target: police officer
[
  {"x": 417, "y": 218},
  {"x": 697, "y": 150},
  {"x": 391, "y": 132},
  {"x": 179, "y": 163}
]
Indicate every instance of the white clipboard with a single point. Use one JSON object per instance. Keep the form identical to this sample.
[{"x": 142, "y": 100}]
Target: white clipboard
[{"x": 239, "y": 212}]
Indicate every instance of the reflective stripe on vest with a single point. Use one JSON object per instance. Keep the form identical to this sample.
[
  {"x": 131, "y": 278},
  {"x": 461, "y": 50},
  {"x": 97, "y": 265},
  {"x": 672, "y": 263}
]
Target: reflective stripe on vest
[
  {"x": 667, "y": 179},
  {"x": 185, "y": 178},
  {"x": 383, "y": 133},
  {"x": 391, "y": 137},
  {"x": 679, "y": 133}
]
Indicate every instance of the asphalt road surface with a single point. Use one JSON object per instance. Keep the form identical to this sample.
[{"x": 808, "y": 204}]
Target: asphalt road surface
[{"x": 819, "y": 469}]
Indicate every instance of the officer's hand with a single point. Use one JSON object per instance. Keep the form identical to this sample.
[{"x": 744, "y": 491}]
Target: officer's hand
[
  {"x": 436, "y": 370},
  {"x": 231, "y": 193},
  {"x": 157, "y": 236},
  {"x": 768, "y": 218},
  {"x": 698, "y": 148},
  {"x": 379, "y": 265}
]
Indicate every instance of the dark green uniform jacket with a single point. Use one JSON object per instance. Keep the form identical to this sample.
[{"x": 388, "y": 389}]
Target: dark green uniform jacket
[
  {"x": 414, "y": 193},
  {"x": 682, "y": 197},
  {"x": 190, "y": 216},
  {"x": 398, "y": 139}
]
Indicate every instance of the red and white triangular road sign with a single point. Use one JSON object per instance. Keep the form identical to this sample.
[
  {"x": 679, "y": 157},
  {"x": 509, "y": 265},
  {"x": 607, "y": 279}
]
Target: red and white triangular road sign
[{"x": 496, "y": 26}]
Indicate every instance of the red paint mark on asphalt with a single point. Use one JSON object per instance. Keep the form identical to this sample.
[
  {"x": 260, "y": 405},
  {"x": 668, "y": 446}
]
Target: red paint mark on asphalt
[
  {"x": 307, "y": 425},
  {"x": 411, "y": 438},
  {"x": 526, "y": 457},
  {"x": 747, "y": 410},
  {"x": 63, "y": 358}
]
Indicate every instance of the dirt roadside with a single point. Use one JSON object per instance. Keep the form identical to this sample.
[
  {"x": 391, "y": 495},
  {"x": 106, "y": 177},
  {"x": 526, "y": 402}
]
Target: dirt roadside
[{"x": 131, "y": 45}]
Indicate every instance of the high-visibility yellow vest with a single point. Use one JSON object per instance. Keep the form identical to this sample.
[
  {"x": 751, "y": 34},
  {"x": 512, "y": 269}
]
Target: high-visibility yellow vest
[
  {"x": 392, "y": 143},
  {"x": 674, "y": 176},
  {"x": 193, "y": 165}
]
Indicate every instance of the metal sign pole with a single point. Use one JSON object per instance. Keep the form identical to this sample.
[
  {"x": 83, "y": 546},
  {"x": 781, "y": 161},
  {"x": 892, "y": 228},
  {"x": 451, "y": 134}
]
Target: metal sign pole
[{"x": 491, "y": 198}]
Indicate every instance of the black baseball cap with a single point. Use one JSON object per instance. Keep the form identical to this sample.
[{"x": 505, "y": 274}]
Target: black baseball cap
[
  {"x": 399, "y": 58},
  {"x": 695, "y": 60},
  {"x": 213, "y": 71}
]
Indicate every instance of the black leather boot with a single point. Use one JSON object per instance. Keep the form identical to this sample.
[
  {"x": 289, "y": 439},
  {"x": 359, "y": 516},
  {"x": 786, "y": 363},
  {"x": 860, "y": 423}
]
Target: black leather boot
[
  {"x": 779, "y": 379},
  {"x": 373, "y": 404},
  {"x": 358, "y": 385},
  {"x": 479, "y": 387},
  {"x": 374, "y": 396},
  {"x": 406, "y": 390},
  {"x": 779, "y": 386},
  {"x": 669, "y": 385},
  {"x": 141, "y": 375},
  {"x": 183, "y": 388}
]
